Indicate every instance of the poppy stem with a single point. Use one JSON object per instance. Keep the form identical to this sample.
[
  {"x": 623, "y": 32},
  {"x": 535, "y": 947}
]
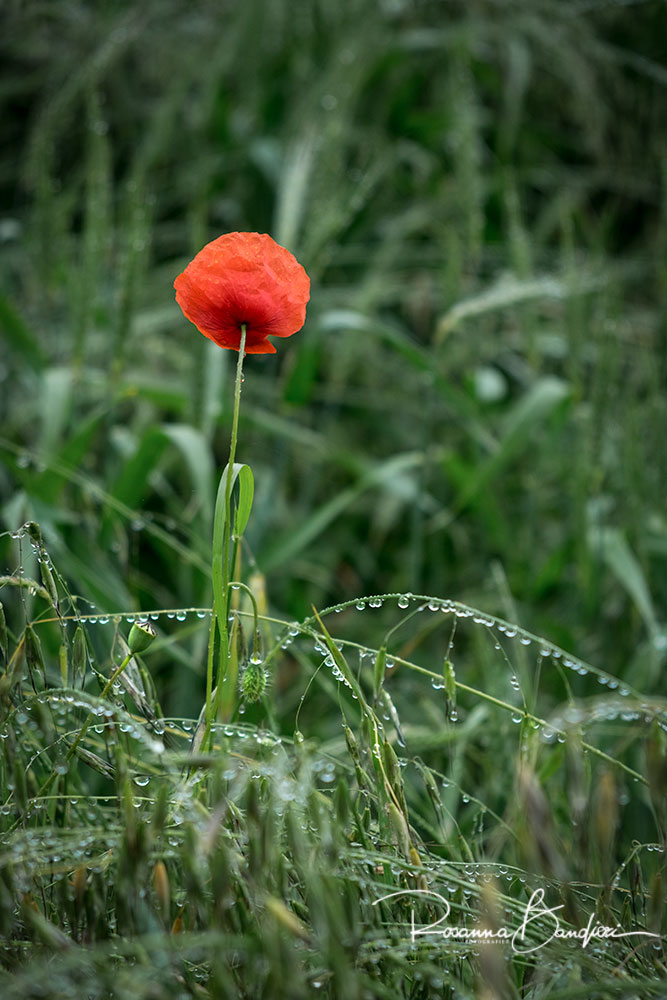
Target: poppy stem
[{"x": 223, "y": 610}]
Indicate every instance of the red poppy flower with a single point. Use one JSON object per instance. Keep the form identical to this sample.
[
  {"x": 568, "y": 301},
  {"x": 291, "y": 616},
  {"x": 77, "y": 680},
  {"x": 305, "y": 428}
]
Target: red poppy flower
[{"x": 244, "y": 279}]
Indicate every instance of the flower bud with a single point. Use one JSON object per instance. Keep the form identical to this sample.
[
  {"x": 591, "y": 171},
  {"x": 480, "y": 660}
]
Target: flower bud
[
  {"x": 253, "y": 681},
  {"x": 141, "y": 636}
]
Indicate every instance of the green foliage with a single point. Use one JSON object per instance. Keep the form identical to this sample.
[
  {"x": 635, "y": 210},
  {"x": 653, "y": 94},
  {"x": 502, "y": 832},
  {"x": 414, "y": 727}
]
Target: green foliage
[
  {"x": 277, "y": 865},
  {"x": 473, "y": 411}
]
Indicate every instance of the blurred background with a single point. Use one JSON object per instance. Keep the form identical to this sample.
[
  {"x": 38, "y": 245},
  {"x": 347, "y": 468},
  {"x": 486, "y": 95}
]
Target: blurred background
[{"x": 476, "y": 406}]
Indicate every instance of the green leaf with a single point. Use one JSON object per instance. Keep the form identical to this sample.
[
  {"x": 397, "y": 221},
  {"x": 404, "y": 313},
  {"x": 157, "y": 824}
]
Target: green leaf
[
  {"x": 55, "y": 405},
  {"x": 246, "y": 493},
  {"x": 18, "y": 335},
  {"x": 624, "y": 565},
  {"x": 131, "y": 486},
  {"x": 243, "y": 512}
]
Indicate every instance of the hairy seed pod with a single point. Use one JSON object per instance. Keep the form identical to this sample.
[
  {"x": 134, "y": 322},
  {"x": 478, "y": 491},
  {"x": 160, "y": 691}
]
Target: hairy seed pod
[{"x": 253, "y": 681}]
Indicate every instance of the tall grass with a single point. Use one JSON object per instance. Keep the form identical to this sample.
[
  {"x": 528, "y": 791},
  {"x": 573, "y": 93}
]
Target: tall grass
[{"x": 471, "y": 415}]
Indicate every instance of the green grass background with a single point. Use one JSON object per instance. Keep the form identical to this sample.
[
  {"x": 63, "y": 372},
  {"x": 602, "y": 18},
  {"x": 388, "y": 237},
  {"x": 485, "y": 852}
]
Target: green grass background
[{"x": 474, "y": 411}]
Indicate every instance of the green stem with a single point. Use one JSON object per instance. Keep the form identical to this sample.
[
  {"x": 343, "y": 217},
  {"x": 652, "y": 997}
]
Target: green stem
[
  {"x": 209, "y": 667},
  {"x": 226, "y": 568},
  {"x": 105, "y": 691},
  {"x": 223, "y": 613}
]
